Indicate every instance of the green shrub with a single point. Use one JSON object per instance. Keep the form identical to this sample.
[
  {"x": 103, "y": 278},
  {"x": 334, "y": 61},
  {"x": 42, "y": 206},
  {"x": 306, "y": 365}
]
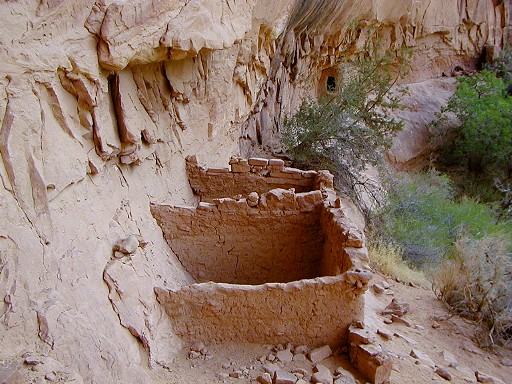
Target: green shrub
[
  {"x": 482, "y": 142},
  {"x": 423, "y": 216},
  {"x": 347, "y": 130}
]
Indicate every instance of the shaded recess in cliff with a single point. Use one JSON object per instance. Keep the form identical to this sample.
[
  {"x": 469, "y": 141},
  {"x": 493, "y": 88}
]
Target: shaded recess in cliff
[{"x": 322, "y": 36}]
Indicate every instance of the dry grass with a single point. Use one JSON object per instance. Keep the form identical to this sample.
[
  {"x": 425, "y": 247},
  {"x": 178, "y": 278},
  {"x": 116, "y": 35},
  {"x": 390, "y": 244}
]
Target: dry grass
[
  {"x": 476, "y": 282},
  {"x": 387, "y": 258}
]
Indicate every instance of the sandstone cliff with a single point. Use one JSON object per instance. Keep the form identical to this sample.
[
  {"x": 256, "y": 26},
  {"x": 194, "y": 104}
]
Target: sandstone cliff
[{"x": 100, "y": 103}]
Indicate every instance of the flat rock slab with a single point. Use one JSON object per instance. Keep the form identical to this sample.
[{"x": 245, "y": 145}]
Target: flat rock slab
[{"x": 318, "y": 354}]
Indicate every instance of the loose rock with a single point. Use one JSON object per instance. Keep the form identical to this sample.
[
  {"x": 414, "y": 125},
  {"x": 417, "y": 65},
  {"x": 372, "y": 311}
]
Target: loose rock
[
  {"x": 285, "y": 356},
  {"x": 319, "y": 354},
  {"x": 128, "y": 245},
  {"x": 322, "y": 375},
  {"x": 264, "y": 378},
  {"x": 51, "y": 377},
  {"x": 301, "y": 349},
  {"x": 270, "y": 368},
  {"x": 377, "y": 288},
  {"x": 444, "y": 373},
  {"x": 284, "y": 377},
  {"x": 397, "y": 307},
  {"x": 236, "y": 374},
  {"x": 450, "y": 359},
  {"x": 485, "y": 378},
  {"x": 300, "y": 358},
  {"x": 422, "y": 358},
  {"x": 197, "y": 346},
  {"x": 410, "y": 341},
  {"x": 384, "y": 333},
  {"x": 396, "y": 319}
]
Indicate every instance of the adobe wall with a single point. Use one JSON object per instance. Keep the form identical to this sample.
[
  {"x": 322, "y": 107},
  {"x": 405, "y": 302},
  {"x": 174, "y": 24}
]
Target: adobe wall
[
  {"x": 272, "y": 247},
  {"x": 311, "y": 312},
  {"x": 230, "y": 242},
  {"x": 245, "y": 176}
]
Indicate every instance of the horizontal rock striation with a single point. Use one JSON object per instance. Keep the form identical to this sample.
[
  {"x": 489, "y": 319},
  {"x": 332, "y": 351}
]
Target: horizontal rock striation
[{"x": 101, "y": 101}]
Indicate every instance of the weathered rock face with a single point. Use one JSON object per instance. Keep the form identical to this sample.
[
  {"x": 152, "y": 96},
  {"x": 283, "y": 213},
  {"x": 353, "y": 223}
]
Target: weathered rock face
[{"x": 100, "y": 102}]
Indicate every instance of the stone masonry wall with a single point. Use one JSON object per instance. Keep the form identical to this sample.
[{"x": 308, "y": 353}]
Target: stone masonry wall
[
  {"x": 312, "y": 312},
  {"x": 231, "y": 242},
  {"x": 245, "y": 176},
  {"x": 268, "y": 240}
]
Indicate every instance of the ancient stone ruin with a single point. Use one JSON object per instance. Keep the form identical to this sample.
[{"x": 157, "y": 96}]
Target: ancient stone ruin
[{"x": 273, "y": 253}]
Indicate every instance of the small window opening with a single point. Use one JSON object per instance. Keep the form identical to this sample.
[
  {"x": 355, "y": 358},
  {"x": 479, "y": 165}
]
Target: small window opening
[{"x": 331, "y": 84}]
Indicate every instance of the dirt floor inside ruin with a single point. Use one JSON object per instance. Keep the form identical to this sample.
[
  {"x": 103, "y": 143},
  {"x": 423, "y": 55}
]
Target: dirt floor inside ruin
[{"x": 439, "y": 338}]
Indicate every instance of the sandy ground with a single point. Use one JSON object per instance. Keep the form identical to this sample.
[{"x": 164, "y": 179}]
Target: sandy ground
[{"x": 445, "y": 339}]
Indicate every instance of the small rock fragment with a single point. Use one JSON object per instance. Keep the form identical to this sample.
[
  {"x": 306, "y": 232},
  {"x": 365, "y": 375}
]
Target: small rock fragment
[
  {"x": 322, "y": 375},
  {"x": 285, "y": 356},
  {"x": 410, "y": 341},
  {"x": 32, "y": 361},
  {"x": 301, "y": 349},
  {"x": 253, "y": 199},
  {"x": 194, "y": 355},
  {"x": 271, "y": 357},
  {"x": 270, "y": 368},
  {"x": 284, "y": 377},
  {"x": 384, "y": 333},
  {"x": 345, "y": 378},
  {"x": 422, "y": 358},
  {"x": 300, "y": 358},
  {"x": 400, "y": 320},
  {"x": 485, "y": 378},
  {"x": 128, "y": 245},
  {"x": 397, "y": 307},
  {"x": 318, "y": 354},
  {"x": 197, "y": 346},
  {"x": 377, "y": 288},
  {"x": 51, "y": 377},
  {"x": 360, "y": 336},
  {"x": 444, "y": 373},
  {"x": 236, "y": 374},
  {"x": 450, "y": 359},
  {"x": 300, "y": 371},
  {"x": 264, "y": 378},
  {"x": 223, "y": 376}
]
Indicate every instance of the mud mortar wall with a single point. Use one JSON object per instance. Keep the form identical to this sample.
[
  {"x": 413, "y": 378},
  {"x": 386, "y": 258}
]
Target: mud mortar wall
[
  {"x": 245, "y": 176},
  {"x": 311, "y": 312},
  {"x": 279, "y": 241},
  {"x": 243, "y": 245}
]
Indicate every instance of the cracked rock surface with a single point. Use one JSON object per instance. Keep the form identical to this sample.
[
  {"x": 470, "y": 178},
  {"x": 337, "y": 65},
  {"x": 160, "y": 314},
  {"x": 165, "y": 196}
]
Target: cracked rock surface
[{"x": 100, "y": 103}]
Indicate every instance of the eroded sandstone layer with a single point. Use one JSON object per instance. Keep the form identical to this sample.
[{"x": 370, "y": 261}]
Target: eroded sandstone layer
[{"x": 100, "y": 103}]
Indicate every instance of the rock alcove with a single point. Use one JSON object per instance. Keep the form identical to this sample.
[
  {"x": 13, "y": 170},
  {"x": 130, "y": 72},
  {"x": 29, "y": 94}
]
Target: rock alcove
[{"x": 276, "y": 261}]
